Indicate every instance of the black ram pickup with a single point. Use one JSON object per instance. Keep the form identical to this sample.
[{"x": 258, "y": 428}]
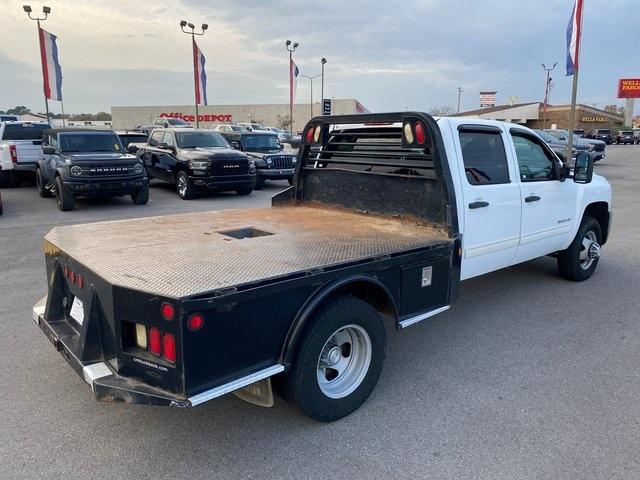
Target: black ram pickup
[
  {"x": 272, "y": 161},
  {"x": 196, "y": 160},
  {"x": 88, "y": 163}
]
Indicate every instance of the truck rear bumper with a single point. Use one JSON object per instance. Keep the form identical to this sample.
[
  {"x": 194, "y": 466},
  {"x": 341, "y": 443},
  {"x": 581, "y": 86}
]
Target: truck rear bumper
[{"x": 107, "y": 386}]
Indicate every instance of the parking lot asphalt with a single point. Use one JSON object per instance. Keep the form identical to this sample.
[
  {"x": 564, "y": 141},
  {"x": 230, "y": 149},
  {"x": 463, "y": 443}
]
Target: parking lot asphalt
[{"x": 527, "y": 377}]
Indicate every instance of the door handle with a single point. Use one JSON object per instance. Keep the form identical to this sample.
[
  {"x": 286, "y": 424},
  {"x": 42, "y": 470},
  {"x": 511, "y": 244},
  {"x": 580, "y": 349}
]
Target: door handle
[
  {"x": 531, "y": 198},
  {"x": 474, "y": 205}
]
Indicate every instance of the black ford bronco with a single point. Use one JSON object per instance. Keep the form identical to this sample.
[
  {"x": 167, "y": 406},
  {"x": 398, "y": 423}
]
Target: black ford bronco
[{"x": 88, "y": 163}]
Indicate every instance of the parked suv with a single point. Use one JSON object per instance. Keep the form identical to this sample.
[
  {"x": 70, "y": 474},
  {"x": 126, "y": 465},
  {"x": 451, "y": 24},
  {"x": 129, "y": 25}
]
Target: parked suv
[
  {"x": 20, "y": 150},
  {"x": 196, "y": 160},
  {"x": 272, "y": 161},
  {"x": 88, "y": 163},
  {"x": 603, "y": 134},
  {"x": 596, "y": 148},
  {"x": 626, "y": 136}
]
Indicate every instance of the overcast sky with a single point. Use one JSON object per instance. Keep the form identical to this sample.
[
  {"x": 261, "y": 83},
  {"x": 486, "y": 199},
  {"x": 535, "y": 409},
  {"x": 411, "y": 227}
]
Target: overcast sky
[{"x": 390, "y": 55}]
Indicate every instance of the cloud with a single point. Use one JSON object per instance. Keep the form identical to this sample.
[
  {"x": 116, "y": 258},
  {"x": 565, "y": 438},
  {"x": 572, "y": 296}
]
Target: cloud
[{"x": 389, "y": 55}]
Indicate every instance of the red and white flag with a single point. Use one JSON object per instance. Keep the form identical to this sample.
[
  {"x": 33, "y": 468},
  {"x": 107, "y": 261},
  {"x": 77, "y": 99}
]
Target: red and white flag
[
  {"x": 199, "y": 75},
  {"x": 51, "y": 71},
  {"x": 574, "y": 31}
]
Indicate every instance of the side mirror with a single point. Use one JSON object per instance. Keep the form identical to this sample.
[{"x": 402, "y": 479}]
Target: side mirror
[
  {"x": 132, "y": 148},
  {"x": 236, "y": 144},
  {"x": 583, "y": 168},
  {"x": 48, "y": 150}
]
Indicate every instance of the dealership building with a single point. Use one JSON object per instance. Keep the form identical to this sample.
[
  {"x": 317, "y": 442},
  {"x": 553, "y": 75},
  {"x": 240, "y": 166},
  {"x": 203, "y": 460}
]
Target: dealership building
[
  {"x": 211, "y": 115},
  {"x": 533, "y": 115}
]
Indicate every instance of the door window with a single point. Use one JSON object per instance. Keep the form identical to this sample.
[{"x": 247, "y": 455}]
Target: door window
[
  {"x": 168, "y": 139},
  {"x": 534, "y": 161},
  {"x": 485, "y": 160},
  {"x": 156, "y": 137}
]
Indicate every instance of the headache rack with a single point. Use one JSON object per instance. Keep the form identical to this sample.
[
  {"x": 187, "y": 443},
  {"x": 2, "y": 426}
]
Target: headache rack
[{"x": 391, "y": 164}]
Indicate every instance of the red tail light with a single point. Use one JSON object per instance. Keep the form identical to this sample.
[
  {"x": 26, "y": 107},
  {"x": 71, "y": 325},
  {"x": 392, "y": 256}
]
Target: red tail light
[
  {"x": 79, "y": 281},
  {"x": 167, "y": 311},
  {"x": 421, "y": 134},
  {"x": 72, "y": 276},
  {"x": 155, "y": 341},
  {"x": 310, "y": 133},
  {"x": 66, "y": 272},
  {"x": 195, "y": 322},
  {"x": 13, "y": 154},
  {"x": 169, "y": 347}
]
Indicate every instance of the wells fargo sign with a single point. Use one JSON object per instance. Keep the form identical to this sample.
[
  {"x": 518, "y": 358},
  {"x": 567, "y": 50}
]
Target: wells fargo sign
[
  {"x": 629, "y": 88},
  {"x": 594, "y": 119},
  {"x": 187, "y": 117}
]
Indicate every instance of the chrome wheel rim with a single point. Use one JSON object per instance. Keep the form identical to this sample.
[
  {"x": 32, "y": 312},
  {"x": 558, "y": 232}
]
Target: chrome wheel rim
[
  {"x": 590, "y": 250},
  {"x": 182, "y": 186},
  {"x": 344, "y": 361}
]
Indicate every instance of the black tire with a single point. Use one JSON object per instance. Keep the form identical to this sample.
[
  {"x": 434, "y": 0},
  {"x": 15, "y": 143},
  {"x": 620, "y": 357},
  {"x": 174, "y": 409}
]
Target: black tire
[
  {"x": 141, "y": 196},
  {"x": 186, "y": 190},
  {"x": 301, "y": 385},
  {"x": 259, "y": 183},
  {"x": 244, "y": 190},
  {"x": 5, "y": 179},
  {"x": 66, "y": 201},
  {"x": 570, "y": 266},
  {"x": 41, "y": 185}
]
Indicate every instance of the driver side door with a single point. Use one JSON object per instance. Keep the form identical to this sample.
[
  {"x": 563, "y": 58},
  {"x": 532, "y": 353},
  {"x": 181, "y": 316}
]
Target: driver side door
[{"x": 548, "y": 204}]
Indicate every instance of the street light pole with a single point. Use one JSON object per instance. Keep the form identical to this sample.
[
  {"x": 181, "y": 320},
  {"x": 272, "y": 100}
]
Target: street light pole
[
  {"x": 311, "y": 78},
  {"x": 459, "y": 96},
  {"x": 291, "y": 48},
  {"x": 546, "y": 93},
  {"x": 46, "y": 11},
  {"x": 193, "y": 34},
  {"x": 322, "y": 62}
]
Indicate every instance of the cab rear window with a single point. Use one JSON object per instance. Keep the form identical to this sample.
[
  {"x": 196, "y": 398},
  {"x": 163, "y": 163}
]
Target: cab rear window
[{"x": 24, "y": 131}]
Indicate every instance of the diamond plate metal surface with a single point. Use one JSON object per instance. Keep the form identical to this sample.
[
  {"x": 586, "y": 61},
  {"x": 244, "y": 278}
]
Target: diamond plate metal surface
[{"x": 181, "y": 255}]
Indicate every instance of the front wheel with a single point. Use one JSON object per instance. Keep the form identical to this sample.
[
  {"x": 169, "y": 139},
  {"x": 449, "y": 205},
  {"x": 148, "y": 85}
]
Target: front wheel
[
  {"x": 66, "y": 201},
  {"x": 259, "y": 183},
  {"x": 579, "y": 261},
  {"x": 141, "y": 196},
  {"x": 184, "y": 186},
  {"x": 244, "y": 190},
  {"x": 41, "y": 184},
  {"x": 338, "y": 361}
]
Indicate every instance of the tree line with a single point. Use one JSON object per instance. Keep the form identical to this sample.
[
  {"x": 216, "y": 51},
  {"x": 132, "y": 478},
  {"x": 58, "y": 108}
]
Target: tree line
[{"x": 22, "y": 110}]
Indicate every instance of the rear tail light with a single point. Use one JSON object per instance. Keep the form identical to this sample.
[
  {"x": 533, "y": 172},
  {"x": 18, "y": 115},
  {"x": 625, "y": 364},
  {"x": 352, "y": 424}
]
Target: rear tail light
[
  {"x": 79, "y": 281},
  {"x": 169, "y": 347},
  {"x": 421, "y": 134},
  {"x": 141, "y": 336},
  {"x": 13, "y": 154},
  {"x": 195, "y": 322},
  {"x": 155, "y": 341},
  {"x": 167, "y": 311},
  {"x": 310, "y": 134},
  {"x": 72, "y": 276},
  {"x": 408, "y": 132},
  {"x": 66, "y": 272}
]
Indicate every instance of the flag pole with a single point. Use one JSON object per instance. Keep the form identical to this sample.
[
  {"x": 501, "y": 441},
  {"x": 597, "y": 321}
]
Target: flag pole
[
  {"x": 574, "y": 92},
  {"x": 46, "y": 100}
]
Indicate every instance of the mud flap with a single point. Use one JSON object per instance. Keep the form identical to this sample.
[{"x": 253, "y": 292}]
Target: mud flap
[{"x": 259, "y": 393}]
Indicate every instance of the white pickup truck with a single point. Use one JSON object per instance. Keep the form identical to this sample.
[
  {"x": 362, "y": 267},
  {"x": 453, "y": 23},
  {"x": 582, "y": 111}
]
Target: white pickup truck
[
  {"x": 386, "y": 215},
  {"x": 20, "y": 150}
]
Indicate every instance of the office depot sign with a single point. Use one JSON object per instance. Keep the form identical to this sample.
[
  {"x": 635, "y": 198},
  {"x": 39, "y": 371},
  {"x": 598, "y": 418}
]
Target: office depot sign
[{"x": 188, "y": 117}]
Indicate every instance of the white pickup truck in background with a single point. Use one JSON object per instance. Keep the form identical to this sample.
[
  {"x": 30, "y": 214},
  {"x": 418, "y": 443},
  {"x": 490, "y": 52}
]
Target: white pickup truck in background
[{"x": 20, "y": 150}]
